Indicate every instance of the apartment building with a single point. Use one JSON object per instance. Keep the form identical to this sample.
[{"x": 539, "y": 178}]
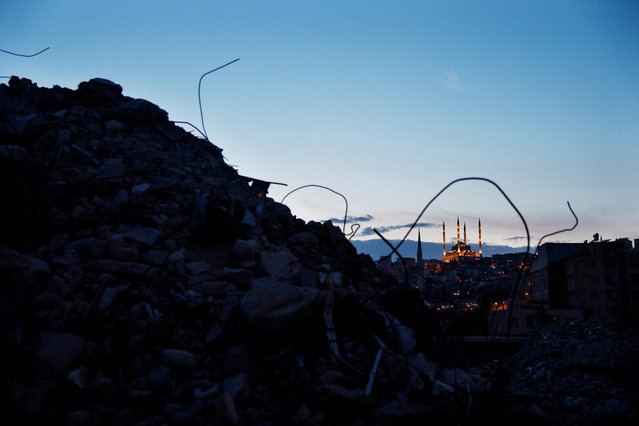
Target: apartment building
[{"x": 599, "y": 278}]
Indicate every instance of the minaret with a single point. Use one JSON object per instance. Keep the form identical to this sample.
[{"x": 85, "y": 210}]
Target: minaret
[
  {"x": 480, "y": 255},
  {"x": 444, "y": 238},
  {"x": 419, "y": 270},
  {"x": 420, "y": 257},
  {"x": 464, "y": 233},
  {"x": 458, "y": 240}
]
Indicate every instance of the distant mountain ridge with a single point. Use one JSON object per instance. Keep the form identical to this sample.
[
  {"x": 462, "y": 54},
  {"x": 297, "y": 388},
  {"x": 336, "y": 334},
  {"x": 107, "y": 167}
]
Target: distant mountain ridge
[{"x": 377, "y": 248}]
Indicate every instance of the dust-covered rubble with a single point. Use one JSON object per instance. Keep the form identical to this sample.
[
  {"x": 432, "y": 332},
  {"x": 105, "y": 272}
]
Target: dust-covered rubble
[{"x": 146, "y": 282}]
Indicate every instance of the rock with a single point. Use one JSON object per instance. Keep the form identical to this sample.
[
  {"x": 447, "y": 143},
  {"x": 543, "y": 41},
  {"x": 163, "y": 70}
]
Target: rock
[
  {"x": 79, "y": 211},
  {"x": 210, "y": 392},
  {"x": 79, "y": 377},
  {"x": 197, "y": 268},
  {"x": 112, "y": 168},
  {"x": 155, "y": 257},
  {"x": 60, "y": 351},
  {"x": 98, "y": 90},
  {"x": 329, "y": 385},
  {"x": 178, "y": 358},
  {"x": 280, "y": 263},
  {"x": 59, "y": 285},
  {"x": 272, "y": 305},
  {"x": 140, "y": 188},
  {"x": 12, "y": 260},
  {"x": 234, "y": 385},
  {"x": 70, "y": 257},
  {"x": 20, "y": 122},
  {"x": 441, "y": 388},
  {"x": 89, "y": 246},
  {"x": 148, "y": 237},
  {"x": 118, "y": 252},
  {"x": 122, "y": 196},
  {"x": 305, "y": 238},
  {"x": 176, "y": 261},
  {"x": 160, "y": 377},
  {"x": 214, "y": 334},
  {"x": 118, "y": 267},
  {"x": 405, "y": 336},
  {"x": 143, "y": 110},
  {"x": 114, "y": 126},
  {"x": 245, "y": 250},
  {"x": 109, "y": 295}
]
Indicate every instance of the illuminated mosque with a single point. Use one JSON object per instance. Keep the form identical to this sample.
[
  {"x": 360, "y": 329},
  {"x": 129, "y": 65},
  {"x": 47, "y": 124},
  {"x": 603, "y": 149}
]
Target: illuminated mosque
[{"x": 461, "y": 250}]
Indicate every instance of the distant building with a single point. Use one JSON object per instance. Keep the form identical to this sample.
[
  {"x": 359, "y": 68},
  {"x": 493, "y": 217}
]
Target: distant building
[
  {"x": 600, "y": 279},
  {"x": 460, "y": 251},
  {"x": 548, "y": 274},
  {"x": 603, "y": 280}
]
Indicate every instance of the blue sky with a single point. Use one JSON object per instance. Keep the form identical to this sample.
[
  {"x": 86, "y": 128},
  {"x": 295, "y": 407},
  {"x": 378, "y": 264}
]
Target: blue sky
[{"x": 384, "y": 102}]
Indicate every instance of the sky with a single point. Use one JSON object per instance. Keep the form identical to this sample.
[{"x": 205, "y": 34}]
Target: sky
[{"x": 382, "y": 102}]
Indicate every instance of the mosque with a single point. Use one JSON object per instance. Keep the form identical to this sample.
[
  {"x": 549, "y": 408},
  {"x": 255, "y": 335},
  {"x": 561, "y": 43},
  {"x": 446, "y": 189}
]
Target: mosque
[{"x": 461, "y": 250}]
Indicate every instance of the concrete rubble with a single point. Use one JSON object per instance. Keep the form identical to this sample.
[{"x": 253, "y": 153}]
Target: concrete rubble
[{"x": 145, "y": 282}]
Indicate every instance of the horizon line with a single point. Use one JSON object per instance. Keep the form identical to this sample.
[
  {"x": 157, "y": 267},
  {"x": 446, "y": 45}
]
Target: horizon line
[{"x": 424, "y": 242}]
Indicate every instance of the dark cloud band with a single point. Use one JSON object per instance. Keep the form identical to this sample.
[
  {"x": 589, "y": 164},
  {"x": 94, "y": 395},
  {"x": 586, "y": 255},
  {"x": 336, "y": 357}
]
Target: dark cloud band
[
  {"x": 382, "y": 229},
  {"x": 351, "y": 219}
]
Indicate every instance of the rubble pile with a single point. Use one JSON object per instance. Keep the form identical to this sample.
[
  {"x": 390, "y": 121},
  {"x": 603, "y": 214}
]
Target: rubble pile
[
  {"x": 578, "y": 373},
  {"x": 144, "y": 282}
]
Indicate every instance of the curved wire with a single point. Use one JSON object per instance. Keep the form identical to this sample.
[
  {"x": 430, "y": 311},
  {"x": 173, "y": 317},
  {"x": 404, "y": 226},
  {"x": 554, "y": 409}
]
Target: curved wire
[
  {"x": 354, "y": 228},
  {"x": 193, "y": 125},
  {"x": 561, "y": 230},
  {"x": 394, "y": 250},
  {"x": 23, "y": 55},
  {"x": 199, "y": 98},
  {"x": 329, "y": 189},
  {"x": 520, "y": 275},
  {"x": 467, "y": 179}
]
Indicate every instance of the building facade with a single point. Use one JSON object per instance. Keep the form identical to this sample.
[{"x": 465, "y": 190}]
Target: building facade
[
  {"x": 600, "y": 279},
  {"x": 603, "y": 280}
]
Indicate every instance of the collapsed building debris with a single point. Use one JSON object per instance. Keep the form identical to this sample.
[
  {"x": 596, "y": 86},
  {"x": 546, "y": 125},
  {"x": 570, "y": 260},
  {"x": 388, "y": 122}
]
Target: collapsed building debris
[{"x": 145, "y": 282}]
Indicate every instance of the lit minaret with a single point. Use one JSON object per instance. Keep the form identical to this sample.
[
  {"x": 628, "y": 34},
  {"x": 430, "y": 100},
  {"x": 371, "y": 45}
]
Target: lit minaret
[
  {"x": 464, "y": 232},
  {"x": 479, "y": 237},
  {"x": 458, "y": 240},
  {"x": 444, "y": 237}
]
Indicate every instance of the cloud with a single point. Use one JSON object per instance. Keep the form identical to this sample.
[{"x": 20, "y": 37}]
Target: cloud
[
  {"x": 382, "y": 229},
  {"x": 452, "y": 82},
  {"x": 351, "y": 219},
  {"x": 515, "y": 238}
]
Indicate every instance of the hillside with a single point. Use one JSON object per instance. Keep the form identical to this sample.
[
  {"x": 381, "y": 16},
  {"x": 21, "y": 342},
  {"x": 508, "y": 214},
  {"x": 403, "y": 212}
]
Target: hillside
[{"x": 146, "y": 282}]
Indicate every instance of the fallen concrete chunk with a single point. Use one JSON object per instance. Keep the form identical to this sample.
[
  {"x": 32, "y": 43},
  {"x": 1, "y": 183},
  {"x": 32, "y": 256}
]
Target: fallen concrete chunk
[{"x": 273, "y": 305}]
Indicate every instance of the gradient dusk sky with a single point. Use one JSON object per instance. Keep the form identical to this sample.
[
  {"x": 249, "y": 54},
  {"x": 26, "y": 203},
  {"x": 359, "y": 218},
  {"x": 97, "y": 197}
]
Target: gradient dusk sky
[{"x": 384, "y": 102}]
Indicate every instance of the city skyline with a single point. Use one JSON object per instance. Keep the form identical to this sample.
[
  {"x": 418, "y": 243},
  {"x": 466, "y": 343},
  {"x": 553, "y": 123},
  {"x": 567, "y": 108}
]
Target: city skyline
[{"x": 383, "y": 103}]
